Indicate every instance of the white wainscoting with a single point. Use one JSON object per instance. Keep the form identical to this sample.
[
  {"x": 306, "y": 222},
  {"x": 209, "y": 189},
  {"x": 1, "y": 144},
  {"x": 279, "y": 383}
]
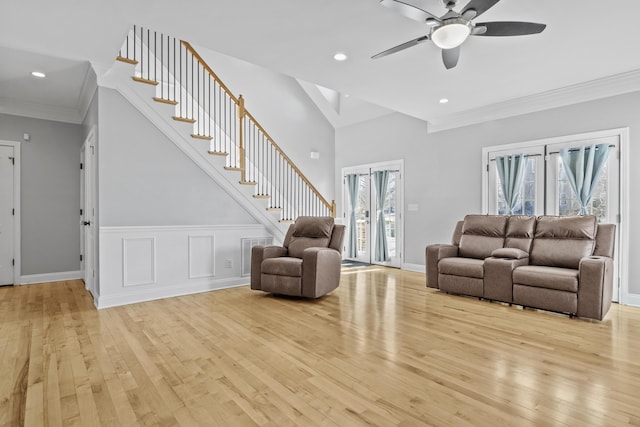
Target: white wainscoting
[{"x": 146, "y": 263}]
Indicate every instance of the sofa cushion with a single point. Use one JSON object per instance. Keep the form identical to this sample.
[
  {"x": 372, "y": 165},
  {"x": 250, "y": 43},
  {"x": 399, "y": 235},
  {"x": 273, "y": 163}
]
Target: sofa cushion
[
  {"x": 467, "y": 267},
  {"x": 563, "y": 241},
  {"x": 283, "y": 266},
  {"x": 510, "y": 253},
  {"x": 520, "y": 230},
  {"x": 560, "y": 279},
  {"x": 481, "y": 235}
]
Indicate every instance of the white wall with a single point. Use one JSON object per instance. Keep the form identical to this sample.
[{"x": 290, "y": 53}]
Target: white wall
[
  {"x": 144, "y": 179},
  {"x": 286, "y": 112},
  {"x": 443, "y": 170},
  {"x": 50, "y": 193}
]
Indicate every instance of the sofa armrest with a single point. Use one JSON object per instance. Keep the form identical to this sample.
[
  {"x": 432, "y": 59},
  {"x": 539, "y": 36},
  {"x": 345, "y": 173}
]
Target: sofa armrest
[
  {"x": 433, "y": 255},
  {"x": 498, "y": 277},
  {"x": 595, "y": 287},
  {"x": 320, "y": 271},
  {"x": 259, "y": 254}
]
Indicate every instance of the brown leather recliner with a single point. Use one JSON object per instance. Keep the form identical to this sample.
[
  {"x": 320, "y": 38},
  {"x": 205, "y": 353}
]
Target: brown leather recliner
[{"x": 307, "y": 264}]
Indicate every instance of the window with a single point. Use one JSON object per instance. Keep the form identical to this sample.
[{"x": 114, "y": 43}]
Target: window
[{"x": 546, "y": 189}]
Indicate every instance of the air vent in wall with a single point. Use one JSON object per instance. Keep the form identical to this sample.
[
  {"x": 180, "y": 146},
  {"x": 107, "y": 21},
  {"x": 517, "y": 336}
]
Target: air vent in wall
[{"x": 247, "y": 244}]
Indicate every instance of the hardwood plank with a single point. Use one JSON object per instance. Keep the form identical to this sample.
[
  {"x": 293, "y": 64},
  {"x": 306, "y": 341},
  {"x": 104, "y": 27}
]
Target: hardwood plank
[{"x": 380, "y": 350}]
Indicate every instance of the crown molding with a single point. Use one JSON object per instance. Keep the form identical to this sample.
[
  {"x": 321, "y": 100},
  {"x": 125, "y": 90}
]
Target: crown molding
[
  {"x": 36, "y": 110},
  {"x": 582, "y": 92}
]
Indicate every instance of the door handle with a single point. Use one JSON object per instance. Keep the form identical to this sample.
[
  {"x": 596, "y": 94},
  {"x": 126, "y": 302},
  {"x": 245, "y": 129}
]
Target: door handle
[{"x": 86, "y": 222}]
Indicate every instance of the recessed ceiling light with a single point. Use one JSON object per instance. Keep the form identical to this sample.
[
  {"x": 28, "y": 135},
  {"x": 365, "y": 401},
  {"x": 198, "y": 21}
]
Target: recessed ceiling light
[
  {"x": 38, "y": 74},
  {"x": 340, "y": 56},
  {"x": 444, "y": 101}
]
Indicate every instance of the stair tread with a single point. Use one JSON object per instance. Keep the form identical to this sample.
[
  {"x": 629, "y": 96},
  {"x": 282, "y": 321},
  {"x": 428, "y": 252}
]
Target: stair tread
[
  {"x": 219, "y": 153},
  {"x": 147, "y": 81},
  {"x": 248, "y": 182},
  {"x": 126, "y": 60},
  {"x": 183, "y": 119},
  {"x": 195, "y": 135},
  {"x": 165, "y": 101},
  {"x": 261, "y": 196}
]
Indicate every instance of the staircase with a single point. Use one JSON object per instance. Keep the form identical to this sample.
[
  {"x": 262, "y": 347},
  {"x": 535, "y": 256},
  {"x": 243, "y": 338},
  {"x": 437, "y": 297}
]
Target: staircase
[{"x": 171, "y": 84}]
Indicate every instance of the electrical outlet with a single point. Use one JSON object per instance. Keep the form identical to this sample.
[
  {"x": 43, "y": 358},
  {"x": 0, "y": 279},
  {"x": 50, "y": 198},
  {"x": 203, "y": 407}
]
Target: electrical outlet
[{"x": 228, "y": 263}]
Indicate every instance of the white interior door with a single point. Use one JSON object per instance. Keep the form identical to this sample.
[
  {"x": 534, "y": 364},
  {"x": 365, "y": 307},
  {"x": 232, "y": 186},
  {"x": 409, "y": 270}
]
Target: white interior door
[
  {"x": 7, "y": 216},
  {"x": 87, "y": 218}
]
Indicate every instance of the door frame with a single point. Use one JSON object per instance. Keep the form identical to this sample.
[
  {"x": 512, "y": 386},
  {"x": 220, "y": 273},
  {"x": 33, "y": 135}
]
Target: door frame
[
  {"x": 391, "y": 164},
  {"x": 623, "y": 223},
  {"x": 16, "y": 203}
]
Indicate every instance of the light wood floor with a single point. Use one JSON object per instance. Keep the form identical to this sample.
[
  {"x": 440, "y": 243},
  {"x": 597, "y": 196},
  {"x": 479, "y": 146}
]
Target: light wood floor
[{"x": 381, "y": 350}]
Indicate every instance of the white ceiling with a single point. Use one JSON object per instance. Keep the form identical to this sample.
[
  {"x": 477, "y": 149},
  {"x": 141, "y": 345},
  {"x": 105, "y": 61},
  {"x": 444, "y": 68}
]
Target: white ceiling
[{"x": 585, "y": 40}]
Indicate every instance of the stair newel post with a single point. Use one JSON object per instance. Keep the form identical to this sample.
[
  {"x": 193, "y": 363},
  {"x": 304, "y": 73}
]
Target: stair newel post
[
  {"x": 333, "y": 208},
  {"x": 241, "y": 113}
]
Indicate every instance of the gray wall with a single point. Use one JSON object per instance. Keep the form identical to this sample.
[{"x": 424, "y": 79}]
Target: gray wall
[
  {"x": 443, "y": 170},
  {"x": 144, "y": 179},
  {"x": 286, "y": 112},
  {"x": 50, "y": 193}
]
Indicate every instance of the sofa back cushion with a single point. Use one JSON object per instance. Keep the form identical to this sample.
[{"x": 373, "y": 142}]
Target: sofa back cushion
[
  {"x": 308, "y": 232},
  {"x": 520, "y": 231},
  {"x": 481, "y": 235},
  {"x": 561, "y": 241}
]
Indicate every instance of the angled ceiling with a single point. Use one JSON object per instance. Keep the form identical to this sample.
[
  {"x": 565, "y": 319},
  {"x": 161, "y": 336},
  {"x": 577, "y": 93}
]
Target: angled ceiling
[{"x": 585, "y": 41}]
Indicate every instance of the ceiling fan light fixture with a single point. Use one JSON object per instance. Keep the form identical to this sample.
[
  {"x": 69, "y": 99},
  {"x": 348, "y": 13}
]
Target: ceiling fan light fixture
[{"x": 451, "y": 35}]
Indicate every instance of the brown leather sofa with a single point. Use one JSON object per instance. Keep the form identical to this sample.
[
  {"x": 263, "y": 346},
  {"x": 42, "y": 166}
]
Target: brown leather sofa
[
  {"x": 307, "y": 264},
  {"x": 562, "y": 264}
]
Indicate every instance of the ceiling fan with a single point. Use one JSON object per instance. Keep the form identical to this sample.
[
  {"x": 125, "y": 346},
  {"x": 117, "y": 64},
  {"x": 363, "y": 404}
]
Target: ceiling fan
[{"x": 449, "y": 31}]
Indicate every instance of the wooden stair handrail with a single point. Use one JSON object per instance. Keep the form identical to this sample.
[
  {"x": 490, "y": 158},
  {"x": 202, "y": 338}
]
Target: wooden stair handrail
[
  {"x": 209, "y": 70},
  {"x": 242, "y": 111}
]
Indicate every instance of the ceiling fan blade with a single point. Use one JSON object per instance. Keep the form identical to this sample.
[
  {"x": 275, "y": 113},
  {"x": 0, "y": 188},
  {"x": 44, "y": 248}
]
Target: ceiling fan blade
[
  {"x": 480, "y": 6},
  {"x": 450, "y": 57},
  {"x": 478, "y": 30},
  {"x": 400, "y": 47},
  {"x": 409, "y": 10},
  {"x": 510, "y": 28}
]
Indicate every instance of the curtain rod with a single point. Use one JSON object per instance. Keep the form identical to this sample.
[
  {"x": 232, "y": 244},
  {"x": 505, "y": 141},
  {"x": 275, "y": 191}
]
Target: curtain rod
[
  {"x": 528, "y": 155},
  {"x": 577, "y": 149}
]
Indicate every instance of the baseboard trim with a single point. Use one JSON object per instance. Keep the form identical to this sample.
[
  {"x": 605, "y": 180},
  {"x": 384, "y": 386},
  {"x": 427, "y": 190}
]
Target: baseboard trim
[
  {"x": 182, "y": 289},
  {"x": 50, "y": 277},
  {"x": 418, "y": 268}
]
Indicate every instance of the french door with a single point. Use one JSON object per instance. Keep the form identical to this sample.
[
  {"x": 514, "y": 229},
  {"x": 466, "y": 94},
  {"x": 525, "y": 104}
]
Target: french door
[
  {"x": 546, "y": 189},
  {"x": 372, "y": 210}
]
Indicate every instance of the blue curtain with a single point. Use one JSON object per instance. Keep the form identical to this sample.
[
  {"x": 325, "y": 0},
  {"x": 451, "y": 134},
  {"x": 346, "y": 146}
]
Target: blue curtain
[
  {"x": 353, "y": 185},
  {"x": 381, "y": 181},
  {"x": 511, "y": 172},
  {"x": 583, "y": 167}
]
